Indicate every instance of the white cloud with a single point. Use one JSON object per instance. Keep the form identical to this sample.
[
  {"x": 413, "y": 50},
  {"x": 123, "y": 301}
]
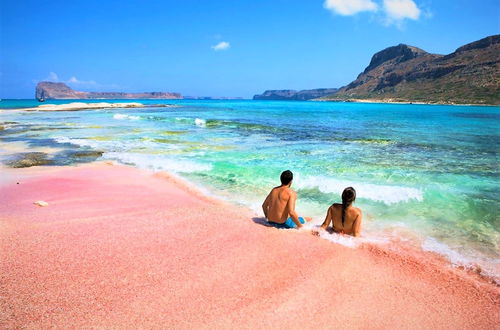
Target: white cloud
[
  {"x": 223, "y": 45},
  {"x": 52, "y": 77},
  {"x": 350, "y": 7},
  {"x": 74, "y": 80},
  {"x": 91, "y": 84},
  {"x": 398, "y": 10}
]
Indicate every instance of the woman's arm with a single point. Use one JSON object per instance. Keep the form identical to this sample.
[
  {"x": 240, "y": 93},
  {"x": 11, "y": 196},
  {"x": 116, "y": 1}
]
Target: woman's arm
[
  {"x": 328, "y": 219},
  {"x": 356, "y": 226}
]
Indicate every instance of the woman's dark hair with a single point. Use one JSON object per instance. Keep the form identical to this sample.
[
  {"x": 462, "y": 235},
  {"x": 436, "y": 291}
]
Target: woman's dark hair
[
  {"x": 348, "y": 196},
  {"x": 286, "y": 177}
]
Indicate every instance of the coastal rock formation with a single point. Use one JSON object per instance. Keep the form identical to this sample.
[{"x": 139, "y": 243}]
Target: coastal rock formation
[
  {"x": 46, "y": 90},
  {"x": 29, "y": 159},
  {"x": 289, "y": 94},
  {"x": 404, "y": 73}
]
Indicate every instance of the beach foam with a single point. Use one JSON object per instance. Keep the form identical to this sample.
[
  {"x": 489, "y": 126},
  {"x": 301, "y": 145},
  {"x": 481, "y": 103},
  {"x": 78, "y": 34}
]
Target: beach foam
[
  {"x": 488, "y": 268},
  {"x": 121, "y": 116},
  {"x": 112, "y": 145},
  {"x": 157, "y": 162},
  {"x": 200, "y": 122},
  {"x": 380, "y": 193}
]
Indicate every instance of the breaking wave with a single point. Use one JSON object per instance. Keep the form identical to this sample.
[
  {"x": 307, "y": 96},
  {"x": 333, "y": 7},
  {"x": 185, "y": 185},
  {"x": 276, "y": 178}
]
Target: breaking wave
[
  {"x": 121, "y": 116},
  {"x": 157, "y": 162},
  {"x": 380, "y": 193}
]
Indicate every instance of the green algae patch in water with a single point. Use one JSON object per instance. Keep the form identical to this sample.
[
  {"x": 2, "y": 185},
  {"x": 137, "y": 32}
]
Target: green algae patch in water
[{"x": 172, "y": 132}]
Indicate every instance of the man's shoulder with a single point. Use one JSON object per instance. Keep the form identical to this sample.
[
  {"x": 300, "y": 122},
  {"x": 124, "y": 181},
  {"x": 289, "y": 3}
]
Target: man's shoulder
[
  {"x": 291, "y": 192},
  {"x": 285, "y": 191}
]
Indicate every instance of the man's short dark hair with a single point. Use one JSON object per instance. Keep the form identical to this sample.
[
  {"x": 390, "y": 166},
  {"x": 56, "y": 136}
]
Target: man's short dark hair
[{"x": 286, "y": 177}]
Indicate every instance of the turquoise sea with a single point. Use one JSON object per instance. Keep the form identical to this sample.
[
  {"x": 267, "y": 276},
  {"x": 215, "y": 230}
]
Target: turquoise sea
[{"x": 423, "y": 173}]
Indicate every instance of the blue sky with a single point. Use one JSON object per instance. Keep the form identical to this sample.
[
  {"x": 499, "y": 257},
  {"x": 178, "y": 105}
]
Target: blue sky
[{"x": 220, "y": 48}]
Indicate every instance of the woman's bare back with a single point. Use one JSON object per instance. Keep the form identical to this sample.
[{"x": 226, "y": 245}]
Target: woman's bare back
[{"x": 352, "y": 220}]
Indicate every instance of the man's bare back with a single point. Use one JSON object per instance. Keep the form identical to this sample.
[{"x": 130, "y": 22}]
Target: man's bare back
[{"x": 279, "y": 205}]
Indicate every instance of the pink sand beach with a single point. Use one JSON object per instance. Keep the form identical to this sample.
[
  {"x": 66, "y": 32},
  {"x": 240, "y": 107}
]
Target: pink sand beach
[{"x": 119, "y": 247}]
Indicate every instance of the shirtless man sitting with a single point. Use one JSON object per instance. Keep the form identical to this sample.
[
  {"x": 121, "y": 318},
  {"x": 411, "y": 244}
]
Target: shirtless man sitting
[{"x": 279, "y": 206}]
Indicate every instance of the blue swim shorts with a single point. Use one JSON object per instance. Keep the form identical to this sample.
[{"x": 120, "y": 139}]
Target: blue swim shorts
[{"x": 288, "y": 223}]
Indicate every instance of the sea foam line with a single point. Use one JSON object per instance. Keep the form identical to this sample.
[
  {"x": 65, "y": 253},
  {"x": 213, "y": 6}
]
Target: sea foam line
[
  {"x": 121, "y": 116},
  {"x": 106, "y": 145},
  {"x": 380, "y": 193},
  {"x": 157, "y": 162}
]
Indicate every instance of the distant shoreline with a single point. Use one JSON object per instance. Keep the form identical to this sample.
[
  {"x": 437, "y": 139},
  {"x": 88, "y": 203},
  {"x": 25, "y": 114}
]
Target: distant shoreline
[
  {"x": 390, "y": 101},
  {"x": 77, "y": 106}
]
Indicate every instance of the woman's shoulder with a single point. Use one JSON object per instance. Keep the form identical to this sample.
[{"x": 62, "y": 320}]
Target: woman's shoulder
[
  {"x": 357, "y": 210},
  {"x": 335, "y": 206}
]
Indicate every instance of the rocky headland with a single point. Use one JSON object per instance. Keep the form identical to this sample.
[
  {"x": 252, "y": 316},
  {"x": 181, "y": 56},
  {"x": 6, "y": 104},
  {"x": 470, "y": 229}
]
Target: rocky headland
[
  {"x": 47, "y": 90},
  {"x": 407, "y": 74},
  {"x": 289, "y": 94}
]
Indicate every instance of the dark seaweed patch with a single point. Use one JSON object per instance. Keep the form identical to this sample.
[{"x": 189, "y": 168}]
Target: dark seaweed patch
[
  {"x": 28, "y": 159},
  {"x": 69, "y": 157}
]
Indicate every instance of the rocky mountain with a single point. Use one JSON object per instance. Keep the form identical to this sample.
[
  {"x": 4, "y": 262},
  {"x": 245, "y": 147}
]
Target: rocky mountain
[
  {"x": 288, "y": 94},
  {"x": 469, "y": 75},
  {"x": 46, "y": 90}
]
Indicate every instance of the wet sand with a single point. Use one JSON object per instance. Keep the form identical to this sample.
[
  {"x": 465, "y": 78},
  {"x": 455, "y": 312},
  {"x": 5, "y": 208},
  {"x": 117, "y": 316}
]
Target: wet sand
[{"x": 124, "y": 248}]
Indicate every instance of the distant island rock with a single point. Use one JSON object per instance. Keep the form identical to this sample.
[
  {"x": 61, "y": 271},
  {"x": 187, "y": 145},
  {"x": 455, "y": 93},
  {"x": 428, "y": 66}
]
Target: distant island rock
[
  {"x": 402, "y": 73},
  {"x": 47, "y": 90},
  {"x": 289, "y": 94}
]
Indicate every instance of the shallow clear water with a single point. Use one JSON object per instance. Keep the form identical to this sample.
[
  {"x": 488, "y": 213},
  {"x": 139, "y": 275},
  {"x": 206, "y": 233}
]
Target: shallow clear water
[{"x": 421, "y": 172}]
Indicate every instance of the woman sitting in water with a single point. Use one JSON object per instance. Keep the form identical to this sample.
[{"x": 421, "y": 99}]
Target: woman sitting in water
[{"x": 345, "y": 218}]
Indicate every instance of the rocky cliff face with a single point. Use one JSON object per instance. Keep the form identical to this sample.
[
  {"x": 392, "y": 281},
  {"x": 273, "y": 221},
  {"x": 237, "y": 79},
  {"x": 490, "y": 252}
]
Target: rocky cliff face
[
  {"x": 404, "y": 73},
  {"x": 289, "y": 94},
  {"x": 395, "y": 54},
  {"x": 50, "y": 90}
]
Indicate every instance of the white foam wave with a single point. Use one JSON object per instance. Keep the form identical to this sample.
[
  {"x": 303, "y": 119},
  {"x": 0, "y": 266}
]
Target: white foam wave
[
  {"x": 344, "y": 240},
  {"x": 157, "y": 162},
  {"x": 485, "y": 266},
  {"x": 78, "y": 142},
  {"x": 110, "y": 145},
  {"x": 121, "y": 116},
  {"x": 380, "y": 193},
  {"x": 200, "y": 122},
  {"x": 456, "y": 259}
]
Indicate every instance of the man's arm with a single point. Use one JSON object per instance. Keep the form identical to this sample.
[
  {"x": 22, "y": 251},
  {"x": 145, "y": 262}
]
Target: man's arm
[
  {"x": 291, "y": 209},
  {"x": 265, "y": 205},
  {"x": 356, "y": 226}
]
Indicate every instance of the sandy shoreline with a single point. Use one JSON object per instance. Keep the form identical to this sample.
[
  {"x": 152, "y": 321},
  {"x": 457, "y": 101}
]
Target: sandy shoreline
[
  {"x": 76, "y": 106},
  {"x": 121, "y": 247}
]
